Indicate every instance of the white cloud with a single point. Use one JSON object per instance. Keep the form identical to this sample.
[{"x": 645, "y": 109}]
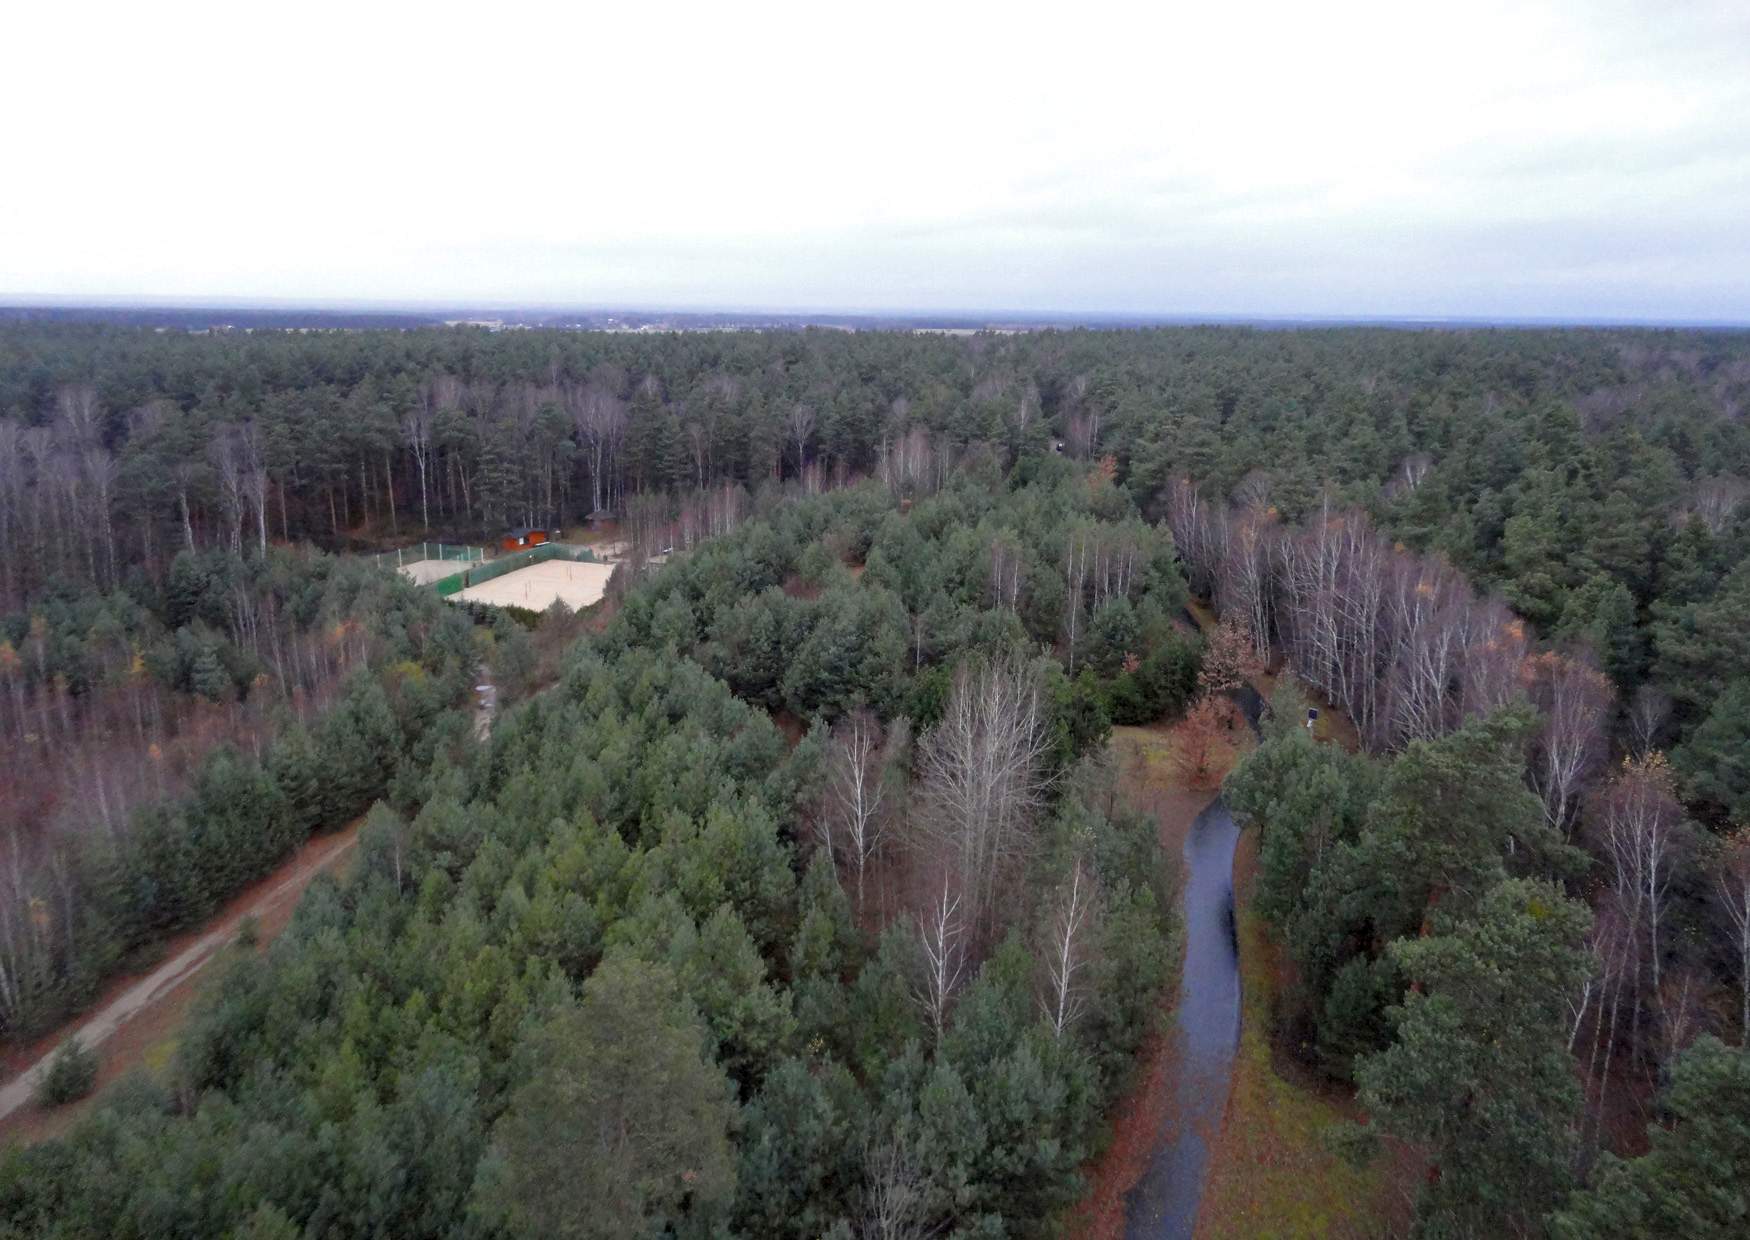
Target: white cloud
[{"x": 1556, "y": 158}]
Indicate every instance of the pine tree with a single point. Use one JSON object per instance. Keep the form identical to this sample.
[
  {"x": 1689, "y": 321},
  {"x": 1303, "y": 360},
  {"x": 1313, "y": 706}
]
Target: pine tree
[
  {"x": 297, "y": 769},
  {"x": 1602, "y": 614},
  {"x": 801, "y": 1144},
  {"x": 359, "y": 744},
  {"x": 623, "y": 1129},
  {"x": 1707, "y": 644},
  {"x": 207, "y": 675},
  {"x": 1478, "y": 1072},
  {"x": 1692, "y": 1182},
  {"x": 1715, "y": 761}
]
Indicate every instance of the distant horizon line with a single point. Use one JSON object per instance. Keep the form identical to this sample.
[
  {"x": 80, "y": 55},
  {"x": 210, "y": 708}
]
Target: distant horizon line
[{"x": 912, "y": 315}]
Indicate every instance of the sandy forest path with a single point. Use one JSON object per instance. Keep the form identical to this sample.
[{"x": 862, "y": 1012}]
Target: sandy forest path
[{"x": 269, "y": 901}]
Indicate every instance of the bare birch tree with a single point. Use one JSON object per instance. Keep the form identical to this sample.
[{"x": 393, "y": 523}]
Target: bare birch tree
[
  {"x": 1647, "y": 714},
  {"x": 416, "y": 427},
  {"x": 1642, "y": 836},
  {"x": 896, "y": 1189},
  {"x": 600, "y": 417},
  {"x": 1715, "y": 500},
  {"x": 227, "y": 459},
  {"x": 1078, "y": 558},
  {"x": 800, "y": 423},
  {"x": 942, "y": 935},
  {"x": 1198, "y": 531},
  {"x": 856, "y": 818},
  {"x": 1069, "y": 935},
  {"x": 12, "y": 487},
  {"x": 983, "y": 775},
  {"x": 1614, "y": 948},
  {"x": 1252, "y": 492},
  {"x": 1732, "y": 890},
  {"x": 907, "y": 460},
  {"x": 1410, "y": 472},
  {"x": 255, "y": 477},
  {"x": 79, "y": 415},
  {"x": 1573, "y": 702},
  {"x": 1007, "y": 558},
  {"x": 100, "y": 472},
  {"x": 1243, "y": 587},
  {"x": 1680, "y": 1011}
]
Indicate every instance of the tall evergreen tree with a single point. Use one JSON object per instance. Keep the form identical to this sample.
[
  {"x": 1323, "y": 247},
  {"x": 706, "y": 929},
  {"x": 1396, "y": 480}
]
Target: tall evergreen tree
[{"x": 1478, "y": 1070}]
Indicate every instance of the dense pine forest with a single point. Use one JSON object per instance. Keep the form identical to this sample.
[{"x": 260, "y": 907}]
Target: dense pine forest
[{"x": 795, "y": 888}]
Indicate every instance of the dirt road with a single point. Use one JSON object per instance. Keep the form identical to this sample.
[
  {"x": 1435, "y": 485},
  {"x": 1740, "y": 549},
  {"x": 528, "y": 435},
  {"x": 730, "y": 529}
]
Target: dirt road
[{"x": 269, "y": 901}]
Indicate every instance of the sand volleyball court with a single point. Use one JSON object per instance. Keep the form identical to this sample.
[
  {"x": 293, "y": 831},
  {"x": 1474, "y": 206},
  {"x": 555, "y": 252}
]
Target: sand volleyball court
[
  {"x": 578, "y": 584},
  {"x": 424, "y": 572}
]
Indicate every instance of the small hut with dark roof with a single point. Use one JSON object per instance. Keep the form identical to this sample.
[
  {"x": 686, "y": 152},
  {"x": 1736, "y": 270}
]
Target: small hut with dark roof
[{"x": 524, "y": 537}]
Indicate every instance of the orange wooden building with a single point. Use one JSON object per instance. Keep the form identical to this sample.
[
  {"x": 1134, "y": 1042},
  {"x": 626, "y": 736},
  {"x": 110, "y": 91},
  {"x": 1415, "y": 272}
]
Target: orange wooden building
[{"x": 525, "y": 537}]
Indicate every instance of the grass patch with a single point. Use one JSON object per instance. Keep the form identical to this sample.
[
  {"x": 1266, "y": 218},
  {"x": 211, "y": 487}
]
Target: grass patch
[
  {"x": 1271, "y": 1173},
  {"x": 1147, "y": 756},
  {"x": 1144, "y": 757},
  {"x": 158, "y": 1057}
]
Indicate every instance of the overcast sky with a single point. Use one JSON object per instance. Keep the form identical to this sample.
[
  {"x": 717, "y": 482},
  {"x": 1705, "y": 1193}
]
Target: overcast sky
[{"x": 1581, "y": 159}]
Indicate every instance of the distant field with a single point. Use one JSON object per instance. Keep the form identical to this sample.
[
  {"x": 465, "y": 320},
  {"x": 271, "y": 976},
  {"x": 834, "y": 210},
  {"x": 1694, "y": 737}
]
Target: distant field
[
  {"x": 535, "y": 587},
  {"x": 424, "y": 572}
]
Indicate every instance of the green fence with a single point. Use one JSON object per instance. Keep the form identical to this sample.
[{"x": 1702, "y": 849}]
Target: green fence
[
  {"x": 461, "y": 552},
  {"x": 481, "y": 573}
]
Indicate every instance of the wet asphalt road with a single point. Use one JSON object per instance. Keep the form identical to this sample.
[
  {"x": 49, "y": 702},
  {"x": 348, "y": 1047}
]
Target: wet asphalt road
[{"x": 1164, "y": 1202}]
